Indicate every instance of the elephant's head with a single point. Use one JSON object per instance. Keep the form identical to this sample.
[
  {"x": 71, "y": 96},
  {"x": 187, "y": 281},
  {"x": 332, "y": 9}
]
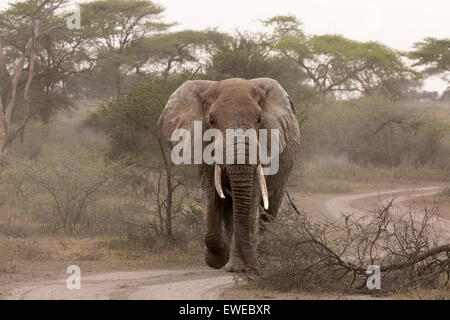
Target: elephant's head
[{"x": 234, "y": 104}]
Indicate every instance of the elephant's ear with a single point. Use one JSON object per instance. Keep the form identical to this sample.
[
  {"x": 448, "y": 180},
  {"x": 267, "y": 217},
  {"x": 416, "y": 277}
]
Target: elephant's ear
[
  {"x": 184, "y": 107},
  {"x": 279, "y": 114}
]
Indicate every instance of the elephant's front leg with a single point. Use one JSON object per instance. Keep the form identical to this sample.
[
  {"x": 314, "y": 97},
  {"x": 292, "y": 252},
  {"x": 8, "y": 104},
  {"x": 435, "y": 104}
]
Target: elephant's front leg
[{"x": 217, "y": 248}]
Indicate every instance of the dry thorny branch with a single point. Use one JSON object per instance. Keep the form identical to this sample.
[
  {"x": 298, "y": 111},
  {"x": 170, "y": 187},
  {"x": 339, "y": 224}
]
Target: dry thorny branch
[{"x": 327, "y": 255}]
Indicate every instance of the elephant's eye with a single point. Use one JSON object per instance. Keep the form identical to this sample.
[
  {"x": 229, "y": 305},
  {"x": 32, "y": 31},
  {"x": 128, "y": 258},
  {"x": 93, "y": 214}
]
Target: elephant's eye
[{"x": 212, "y": 122}]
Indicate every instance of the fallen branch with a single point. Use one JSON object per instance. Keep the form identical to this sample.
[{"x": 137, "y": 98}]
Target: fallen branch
[{"x": 306, "y": 255}]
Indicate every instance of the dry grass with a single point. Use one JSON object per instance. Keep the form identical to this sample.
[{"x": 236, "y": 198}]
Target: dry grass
[
  {"x": 337, "y": 175},
  {"x": 18, "y": 256},
  {"x": 250, "y": 292}
]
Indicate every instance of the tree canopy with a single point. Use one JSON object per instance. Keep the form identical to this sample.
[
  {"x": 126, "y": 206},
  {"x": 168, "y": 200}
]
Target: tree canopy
[
  {"x": 337, "y": 65},
  {"x": 113, "y": 26},
  {"x": 432, "y": 53}
]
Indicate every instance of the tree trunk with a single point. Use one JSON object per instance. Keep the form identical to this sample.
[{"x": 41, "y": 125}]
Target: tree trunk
[
  {"x": 169, "y": 205},
  {"x": 3, "y": 136}
]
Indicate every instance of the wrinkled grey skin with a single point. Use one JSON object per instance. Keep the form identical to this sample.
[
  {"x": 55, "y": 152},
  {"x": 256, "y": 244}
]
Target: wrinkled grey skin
[{"x": 235, "y": 103}]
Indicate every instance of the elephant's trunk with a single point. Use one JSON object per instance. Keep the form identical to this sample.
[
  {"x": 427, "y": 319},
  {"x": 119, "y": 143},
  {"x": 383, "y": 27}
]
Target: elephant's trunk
[
  {"x": 242, "y": 152},
  {"x": 261, "y": 180},
  {"x": 241, "y": 180}
]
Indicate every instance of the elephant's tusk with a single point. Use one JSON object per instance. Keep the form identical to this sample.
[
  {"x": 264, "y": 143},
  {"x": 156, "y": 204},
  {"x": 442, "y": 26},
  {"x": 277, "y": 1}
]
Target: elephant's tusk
[
  {"x": 218, "y": 181},
  {"x": 263, "y": 186}
]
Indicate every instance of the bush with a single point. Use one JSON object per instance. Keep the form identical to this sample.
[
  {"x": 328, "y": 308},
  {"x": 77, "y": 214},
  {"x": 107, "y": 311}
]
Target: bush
[
  {"x": 69, "y": 180},
  {"x": 378, "y": 132},
  {"x": 56, "y": 190}
]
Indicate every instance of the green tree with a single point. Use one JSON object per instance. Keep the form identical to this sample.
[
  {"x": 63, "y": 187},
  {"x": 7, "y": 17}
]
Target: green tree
[
  {"x": 114, "y": 25},
  {"x": 22, "y": 25},
  {"x": 249, "y": 56},
  {"x": 176, "y": 49},
  {"x": 283, "y": 26},
  {"x": 432, "y": 53},
  {"x": 61, "y": 55},
  {"x": 336, "y": 65}
]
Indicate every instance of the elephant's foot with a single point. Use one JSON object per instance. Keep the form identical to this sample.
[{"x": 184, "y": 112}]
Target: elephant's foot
[
  {"x": 217, "y": 259},
  {"x": 235, "y": 265}
]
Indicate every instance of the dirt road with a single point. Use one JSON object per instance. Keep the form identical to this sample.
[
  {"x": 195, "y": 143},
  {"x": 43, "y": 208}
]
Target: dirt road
[
  {"x": 402, "y": 202},
  {"x": 195, "y": 284},
  {"x": 198, "y": 283},
  {"x": 343, "y": 204}
]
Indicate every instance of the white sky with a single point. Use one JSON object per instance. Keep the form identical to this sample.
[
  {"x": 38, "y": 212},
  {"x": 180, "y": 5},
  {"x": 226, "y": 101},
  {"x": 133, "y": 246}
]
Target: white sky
[{"x": 397, "y": 23}]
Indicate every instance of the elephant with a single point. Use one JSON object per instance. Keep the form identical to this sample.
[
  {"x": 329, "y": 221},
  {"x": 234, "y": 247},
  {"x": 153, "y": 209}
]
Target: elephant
[{"x": 233, "y": 193}]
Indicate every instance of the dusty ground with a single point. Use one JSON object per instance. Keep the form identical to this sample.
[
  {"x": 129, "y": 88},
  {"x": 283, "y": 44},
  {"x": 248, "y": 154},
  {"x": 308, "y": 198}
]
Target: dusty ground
[
  {"x": 201, "y": 282},
  {"x": 198, "y": 283}
]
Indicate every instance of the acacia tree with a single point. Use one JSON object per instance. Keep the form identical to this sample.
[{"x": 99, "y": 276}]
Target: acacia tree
[
  {"x": 60, "y": 56},
  {"x": 114, "y": 25},
  {"x": 250, "y": 56},
  {"x": 432, "y": 53},
  {"x": 14, "y": 63},
  {"x": 175, "y": 49},
  {"x": 336, "y": 65},
  {"x": 284, "y": 25}
]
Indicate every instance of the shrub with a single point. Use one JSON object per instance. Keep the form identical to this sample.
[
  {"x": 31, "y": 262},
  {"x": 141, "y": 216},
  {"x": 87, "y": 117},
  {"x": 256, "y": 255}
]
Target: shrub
[
  {"x": 69, "y": 180},
  {"x": 378, "y": 132}
]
